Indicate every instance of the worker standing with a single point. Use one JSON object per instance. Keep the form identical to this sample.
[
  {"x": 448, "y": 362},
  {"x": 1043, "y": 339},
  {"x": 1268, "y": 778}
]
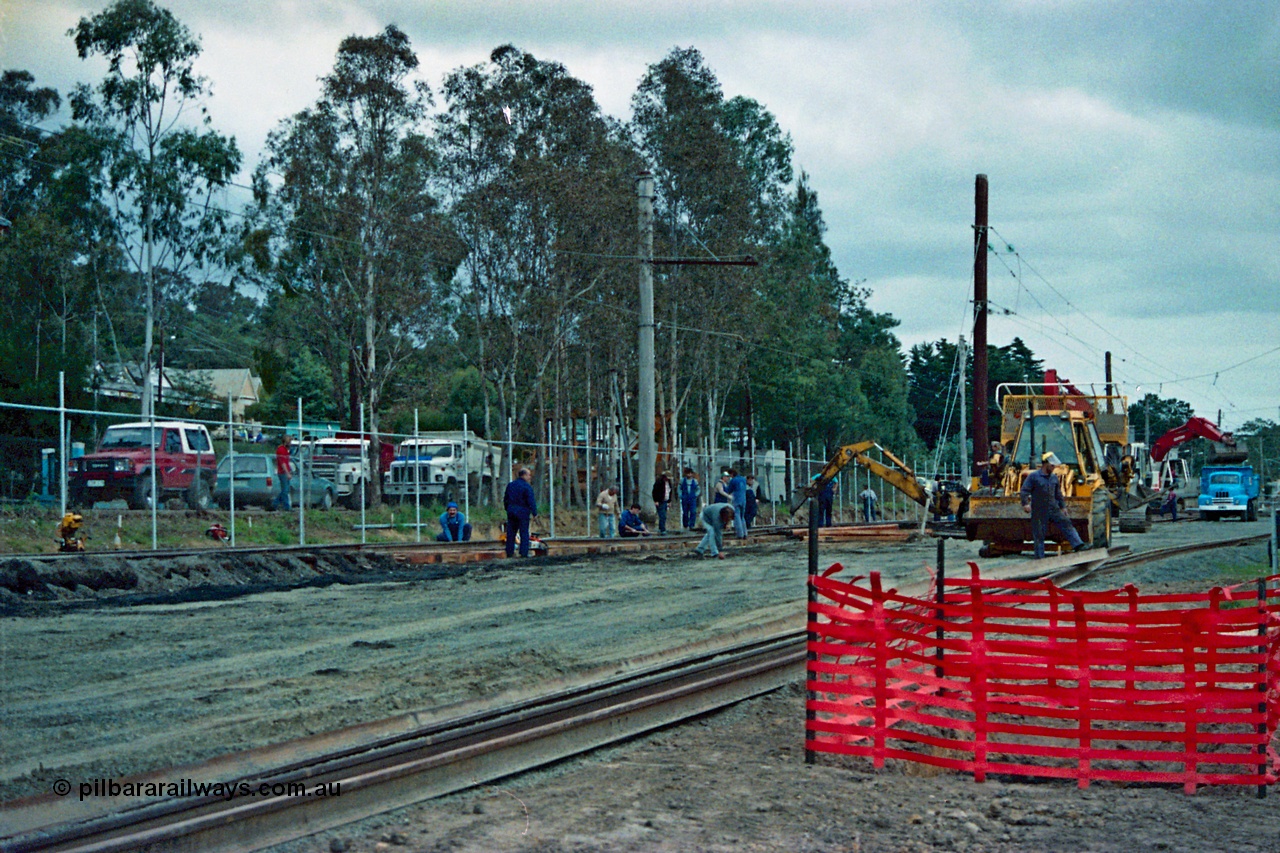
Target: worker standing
[
  {"x": 869, "y": 499},
  {"x": 284, "y": 470},
  {"x": 690, "y": 489},
  {"x": 607, "y": 506},
  {"x": 1042, "y": 497},
  {"x": 737, "y": 489},
  {"x": 521, "y": 505}
]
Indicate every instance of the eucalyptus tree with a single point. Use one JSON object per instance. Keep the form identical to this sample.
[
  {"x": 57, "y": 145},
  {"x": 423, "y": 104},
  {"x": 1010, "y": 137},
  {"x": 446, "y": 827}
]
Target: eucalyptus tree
[
  {"x": 721, "y": 171},
  {"x": 350, "y": 223},
  {"x": 164, "y": 166},
  {"x": 540, "y": 185}
]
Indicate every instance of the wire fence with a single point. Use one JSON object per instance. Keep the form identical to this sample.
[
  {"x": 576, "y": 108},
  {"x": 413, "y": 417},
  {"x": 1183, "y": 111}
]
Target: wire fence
[{"x": 573, "y": 463}]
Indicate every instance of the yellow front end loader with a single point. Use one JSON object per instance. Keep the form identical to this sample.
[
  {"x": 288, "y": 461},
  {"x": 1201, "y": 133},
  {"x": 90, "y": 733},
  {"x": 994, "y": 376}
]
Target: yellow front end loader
[{"x": 1074, "y": 427}]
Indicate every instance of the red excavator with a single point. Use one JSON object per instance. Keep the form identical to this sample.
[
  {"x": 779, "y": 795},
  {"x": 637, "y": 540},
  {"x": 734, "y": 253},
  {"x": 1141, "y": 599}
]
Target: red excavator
[
  {"x": 1168, "y": 469},
  {"x": 1224, "y": 449}
]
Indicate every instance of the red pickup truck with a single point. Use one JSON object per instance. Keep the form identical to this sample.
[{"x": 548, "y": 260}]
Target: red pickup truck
[{"x": 186, "y": 466}]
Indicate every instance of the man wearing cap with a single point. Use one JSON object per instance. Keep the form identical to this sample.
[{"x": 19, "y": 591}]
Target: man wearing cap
[
  {"x": 1042, "y": 497},
  {"x": 453, "y": 525}
]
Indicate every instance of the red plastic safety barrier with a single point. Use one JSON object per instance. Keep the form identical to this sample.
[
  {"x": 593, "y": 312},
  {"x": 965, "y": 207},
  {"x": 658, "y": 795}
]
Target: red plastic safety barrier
[{"x": 1026, "y": 678}]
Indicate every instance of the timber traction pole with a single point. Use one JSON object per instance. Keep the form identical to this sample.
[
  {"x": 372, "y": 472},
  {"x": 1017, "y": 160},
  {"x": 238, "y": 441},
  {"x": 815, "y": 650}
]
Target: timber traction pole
[{"x": 981, "y": 447}]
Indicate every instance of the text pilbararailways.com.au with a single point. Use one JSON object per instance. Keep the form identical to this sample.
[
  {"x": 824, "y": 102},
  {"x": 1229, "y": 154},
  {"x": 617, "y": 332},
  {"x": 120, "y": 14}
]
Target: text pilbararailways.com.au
[{"x": 182, "y": 788}]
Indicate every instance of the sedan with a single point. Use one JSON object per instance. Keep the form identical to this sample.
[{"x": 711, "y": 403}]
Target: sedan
[{"x": 256, "y": 483}]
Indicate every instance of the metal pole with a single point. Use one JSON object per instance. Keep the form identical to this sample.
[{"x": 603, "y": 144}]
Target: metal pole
[
  {"x": 231, "y": 469},
  {"x": 62, "y": 443},
  {"x": 417, "y": 477},
  {"x": 303, "y": 493},
  {"x": 1262, "y": 687},
  {"x": 964, "y": 435},
  {"x": 551, "y": 484},
  {"x": 466, "y": 471},
  {"x": 939, "y": 632},
  {"x": 155, "y": 501},
  {"x": 511, "y": 457},
  {"x": 364, "y": 534},
  {"x": 646, "y": 415},
  {"x": 588, "y": 500},
  {"x": 811, "y": 656}
]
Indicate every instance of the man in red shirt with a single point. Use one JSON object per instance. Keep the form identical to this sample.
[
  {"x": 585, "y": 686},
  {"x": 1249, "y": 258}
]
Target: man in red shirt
[{"x": 284, "y": 470}]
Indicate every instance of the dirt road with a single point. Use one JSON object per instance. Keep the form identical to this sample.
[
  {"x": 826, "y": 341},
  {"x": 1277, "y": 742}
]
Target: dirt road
[{"x": 102, "y": 690}]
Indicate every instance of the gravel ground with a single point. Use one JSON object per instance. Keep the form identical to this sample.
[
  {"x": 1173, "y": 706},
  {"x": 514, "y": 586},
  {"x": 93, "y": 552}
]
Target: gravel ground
[{"x": 108, "y": 684}]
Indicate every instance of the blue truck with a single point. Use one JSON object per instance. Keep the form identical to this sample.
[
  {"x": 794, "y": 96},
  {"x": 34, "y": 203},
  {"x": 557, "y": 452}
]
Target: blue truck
[{"x": 1228, "y": 490}]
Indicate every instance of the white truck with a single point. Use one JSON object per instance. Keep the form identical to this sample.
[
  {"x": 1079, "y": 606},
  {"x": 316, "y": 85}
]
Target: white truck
[
  {"x": 345, "y": 461},
  {"x": 435, "y": 465}
]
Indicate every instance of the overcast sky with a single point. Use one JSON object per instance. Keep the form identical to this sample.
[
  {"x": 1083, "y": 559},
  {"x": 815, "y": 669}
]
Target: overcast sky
[{"x": 1132, "y": 149}]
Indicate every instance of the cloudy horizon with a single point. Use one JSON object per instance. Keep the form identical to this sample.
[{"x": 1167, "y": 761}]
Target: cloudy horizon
[{"x": 1131, "y": 148}]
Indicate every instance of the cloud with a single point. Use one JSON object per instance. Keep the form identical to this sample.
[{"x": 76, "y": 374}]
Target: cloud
[{"x": 1133, "y": 149}]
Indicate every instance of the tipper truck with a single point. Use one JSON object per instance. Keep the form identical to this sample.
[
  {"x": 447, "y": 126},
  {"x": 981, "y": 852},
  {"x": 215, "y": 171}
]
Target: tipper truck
[{"x": 436, "y": 465}]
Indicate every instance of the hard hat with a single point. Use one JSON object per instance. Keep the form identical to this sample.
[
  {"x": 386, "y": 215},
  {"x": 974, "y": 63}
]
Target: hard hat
[
  {"x": 451, "y": 505},
  {"x": 1051, "y": 458}
]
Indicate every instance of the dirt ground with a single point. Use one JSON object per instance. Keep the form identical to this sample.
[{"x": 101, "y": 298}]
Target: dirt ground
[{"x": 213, "y": 658}]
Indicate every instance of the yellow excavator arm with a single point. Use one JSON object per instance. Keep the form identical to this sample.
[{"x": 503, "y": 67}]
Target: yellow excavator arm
[{"x": 900, "y": 475}]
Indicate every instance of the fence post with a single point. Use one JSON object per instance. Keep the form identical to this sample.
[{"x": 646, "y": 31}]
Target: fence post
[
  {"x": 809, "y": 714},
  {"x": 551, "y": 479},
  {"x": 63, "y": 444},
  {"x": 588, "y": 493},
  {"x": 1084, "y": 690},
  {"x": 978, "y": 674},
  {"x": 364, "y": 481},
  {"x": 417, "y": 474},
  {"x": 466, "y": 464},
  {"x": 155, "y": 485},
  {"x": 231, "y": 469},
  {"x": 1261, "y": 747},
  {"x": 940, "y": 632},
  {"x": 302, "y": 482}
]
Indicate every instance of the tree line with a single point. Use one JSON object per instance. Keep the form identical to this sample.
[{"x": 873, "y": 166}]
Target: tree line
[{"x": 469, "y": 246}]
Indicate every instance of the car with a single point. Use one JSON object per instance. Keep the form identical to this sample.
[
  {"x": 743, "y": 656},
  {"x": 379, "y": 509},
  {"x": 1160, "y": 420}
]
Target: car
[
  {"x": 120, "y": 468},
  {"x": 256, "y": 484}
]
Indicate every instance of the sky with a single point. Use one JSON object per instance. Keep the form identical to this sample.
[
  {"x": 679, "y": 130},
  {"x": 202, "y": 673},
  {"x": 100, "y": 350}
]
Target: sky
[{"x": 1132, "y": 149}]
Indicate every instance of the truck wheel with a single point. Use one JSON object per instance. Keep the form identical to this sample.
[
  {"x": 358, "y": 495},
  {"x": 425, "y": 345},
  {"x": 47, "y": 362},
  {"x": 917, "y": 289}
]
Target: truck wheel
[
  {"x": 141, "y": 497},
  {"x": 1100, "y": 519},
  {"x": 198, "y": 497},
  {"x": 358, "y": 499},
  {"x": 75, "y": 498},
  {"x": 1251, "y": 513},
  {"x": 451, "y": 491}
]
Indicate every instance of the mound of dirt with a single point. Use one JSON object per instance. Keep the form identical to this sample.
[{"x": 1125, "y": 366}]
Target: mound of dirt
[{"x": 28, "y": 582}]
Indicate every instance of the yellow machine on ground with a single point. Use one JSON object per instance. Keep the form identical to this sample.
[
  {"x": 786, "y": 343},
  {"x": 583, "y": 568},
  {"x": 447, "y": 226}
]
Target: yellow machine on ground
[
  {"x": 1079, "y": 429},
  {"x": 898, "y": 474},
  {"x": 69, "y": 538}
]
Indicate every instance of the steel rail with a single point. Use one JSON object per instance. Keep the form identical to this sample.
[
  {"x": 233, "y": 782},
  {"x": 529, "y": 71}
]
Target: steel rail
[
  {"x": 456, "y": 754},
  {"x": 438, "y": 759}
]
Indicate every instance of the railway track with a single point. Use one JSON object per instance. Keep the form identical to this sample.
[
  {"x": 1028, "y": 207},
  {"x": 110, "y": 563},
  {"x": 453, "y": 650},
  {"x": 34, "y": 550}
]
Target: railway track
[
  {"x": 387, "y": 772},
  {"x": 429, "y": 762}
]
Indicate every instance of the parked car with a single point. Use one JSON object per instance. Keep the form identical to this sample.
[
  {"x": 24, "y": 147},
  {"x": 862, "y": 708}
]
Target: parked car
[
  {"x": 121, "y": 465},
  {"x": 256, "y": 483}
]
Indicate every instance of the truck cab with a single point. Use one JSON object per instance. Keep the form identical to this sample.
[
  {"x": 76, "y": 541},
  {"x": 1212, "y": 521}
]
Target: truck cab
[
  {"x": 439, "y": 466},
  {"x": 1228, "y": 490}
]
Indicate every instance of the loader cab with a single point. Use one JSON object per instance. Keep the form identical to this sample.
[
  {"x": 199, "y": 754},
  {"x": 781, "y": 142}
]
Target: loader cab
[{"x": 1069, "y": 435}]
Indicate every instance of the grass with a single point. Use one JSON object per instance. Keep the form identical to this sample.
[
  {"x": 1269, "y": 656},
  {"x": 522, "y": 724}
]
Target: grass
[{"x": 29, "y": 528}]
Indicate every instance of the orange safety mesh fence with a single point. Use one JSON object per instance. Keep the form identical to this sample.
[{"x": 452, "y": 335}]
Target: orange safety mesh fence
[{"x": 1027, "y": 678}]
